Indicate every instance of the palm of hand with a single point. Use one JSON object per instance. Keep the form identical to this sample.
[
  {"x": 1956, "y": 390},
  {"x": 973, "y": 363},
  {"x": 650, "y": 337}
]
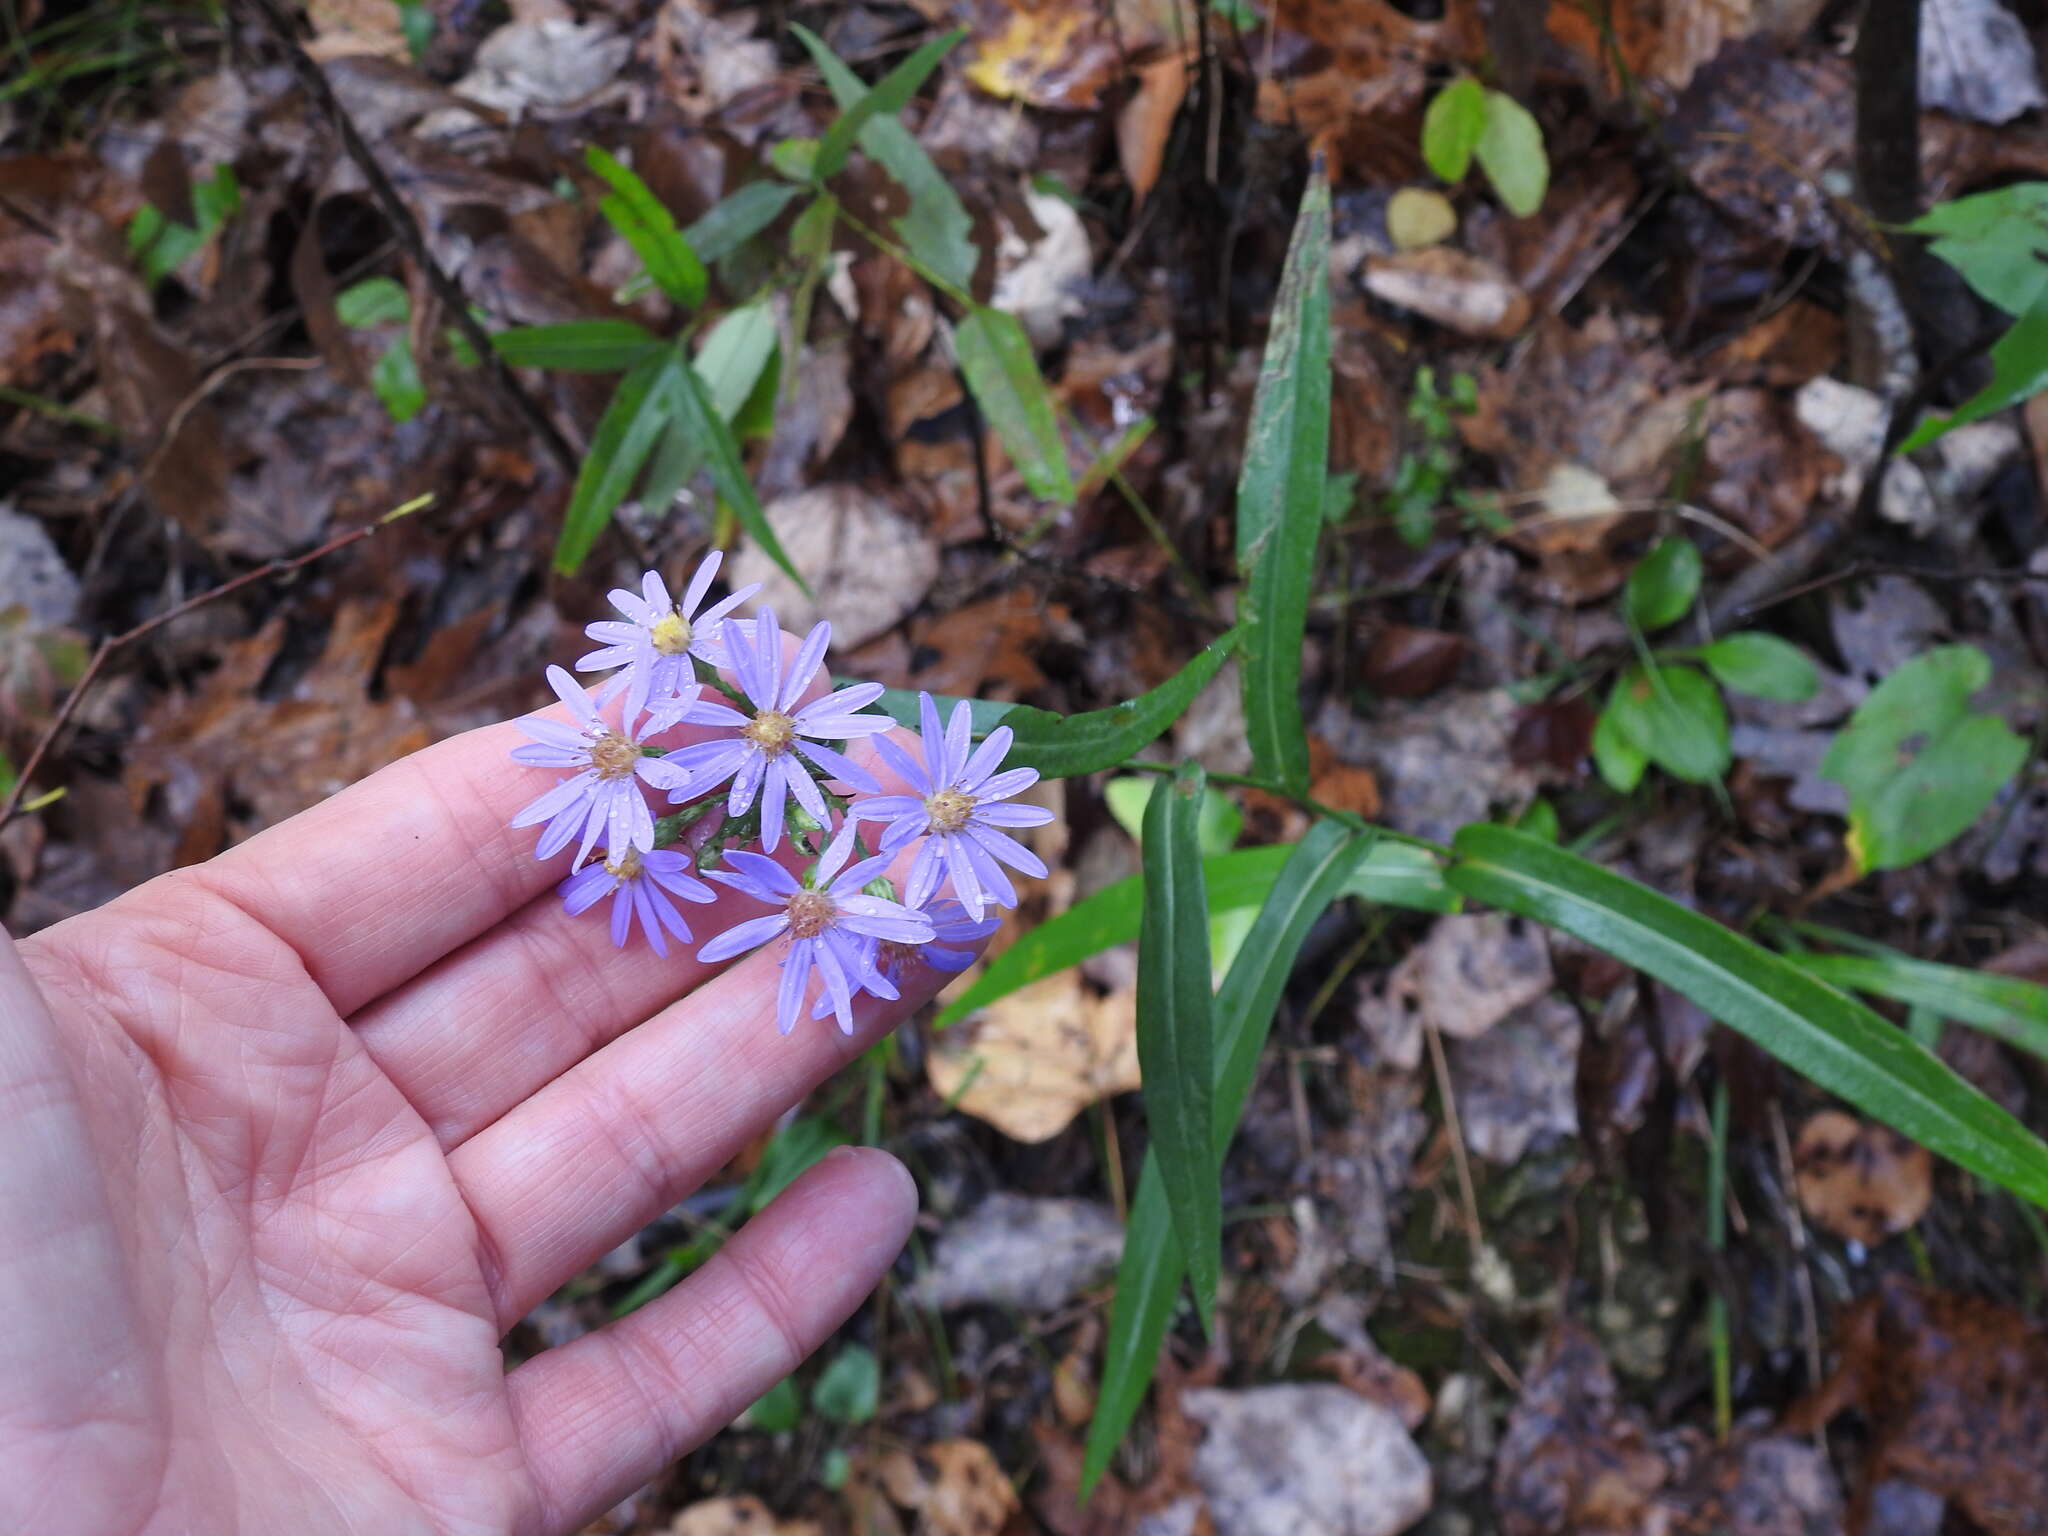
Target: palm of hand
[{"x": 288, "y": 1142}]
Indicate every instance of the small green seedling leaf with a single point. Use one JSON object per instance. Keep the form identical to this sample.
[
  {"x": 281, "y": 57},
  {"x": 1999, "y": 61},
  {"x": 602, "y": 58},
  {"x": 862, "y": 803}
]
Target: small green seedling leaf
[
  {"x": 1663, "y": 585},
  {"x": 1995, "y": 240},
  {"x": 850, "y": 1388},
  {"x": 373, "y": 302},
  {"x": 1673, "y": 716},
  {"x": 646, "y": 224},
  {"x": 1762, "y": 666},
  {"x": 395, "y": 380},
  {"x": 1919, "y": 764},
  {"x": 1614, "y": 754},
  {"x": 1281, "y": 490},
  {"x": 1000, "y": 368},
  {"x": 1510, "y": 151},
  {"x": 777, "y": 1411},
  {"x": 1451, "y": 127},
  {"x": 1176, "y": 1027}
]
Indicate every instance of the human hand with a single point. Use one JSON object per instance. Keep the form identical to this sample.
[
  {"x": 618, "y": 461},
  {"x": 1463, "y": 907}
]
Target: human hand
[{"x": 289, "y": 1140}]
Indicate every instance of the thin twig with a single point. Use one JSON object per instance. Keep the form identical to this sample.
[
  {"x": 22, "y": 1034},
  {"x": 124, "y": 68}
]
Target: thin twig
[
  {"x": 113, "y": 643},
  {"x": 1441, "y": 1067},
  {"x": 1795, "y": 1225},
  {"x": 407, "y": 228}
]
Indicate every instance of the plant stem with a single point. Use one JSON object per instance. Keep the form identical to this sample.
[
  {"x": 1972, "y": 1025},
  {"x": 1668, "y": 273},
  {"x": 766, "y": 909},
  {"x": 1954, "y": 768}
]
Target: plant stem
[{"x": 1717, "y": 1240}]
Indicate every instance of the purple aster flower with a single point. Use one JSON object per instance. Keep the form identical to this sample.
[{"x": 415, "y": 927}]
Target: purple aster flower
[
  {"x": 657, "y": 637},
  {"x": 764, "y": 757},
  {"x": 954, "y": 810},
  {"x": 827, "y": 924},
  {"x": 602, "y": 798},
  {"x": 640, "y": 885},
  {"x": 951, "y": 950}
]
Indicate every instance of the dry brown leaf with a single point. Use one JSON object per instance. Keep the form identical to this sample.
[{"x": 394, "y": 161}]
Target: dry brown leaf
[
  {"x": 984, "y": 650},
  {"x": 1029, "y": 1063},
  {"x": 1955, "y": 1391},
  {"x": 1861, "y": 1180},
  {"x": 742, "y": 1516},
  {"x": 956, "y": 1487},
  {"x": 347, "y": 28},
  {"x": 870, "y": 565},
  {"x": 1574, "y": 1459},
  {"x": 1463, "y": 292},
  {"x": 1147, "y": 118}
]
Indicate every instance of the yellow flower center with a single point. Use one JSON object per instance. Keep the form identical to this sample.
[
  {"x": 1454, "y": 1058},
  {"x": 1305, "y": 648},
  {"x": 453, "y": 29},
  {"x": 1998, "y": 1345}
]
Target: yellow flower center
[
  {"x": 949, "y": 810},
  {"x": 613, "y": 756},
  {"x": 771, "y": 730},
  {"x": 810, "y": 914},
  {"x": 671, "y": 634},
  {"x": 625, "y": 867}
]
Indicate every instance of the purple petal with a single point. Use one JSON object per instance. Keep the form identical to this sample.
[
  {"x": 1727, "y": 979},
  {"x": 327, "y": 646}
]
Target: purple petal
[
  {"x": 1012, "y": 815},
  {"x": 906, "y": 767},
  {"x": 966, "y": 881},
  {"x": 765, "y": 872},
  {"x": 712, "y": 618},
  {"x": 1011, "y": 852},
  {"x": 746, "y": 783},
  {"x": 926, "y": 871},
  {"x": 700, "y": 582},
  {"x": 754, "y": 656},
  {"x": 741, "y": 937},
  {"x": 796, "y": 973},
  {"x": 834, "y": 858},
  {"x": 584, "y": 889},
  {"x": 947, "y": 960},
  {"x": 804, "y": 665},
  {"x": 676, "y": 880},
  {"x": 544, "y": 754},
  {"x": 555, "y": 801},
  {"x": 933, "y": 733},
  {"x": 959, "y": 739},
  {"x": 994, "y": 883},
  {"x": 886, "y": 808},
  {"x": 806, "y": 790},
  {"x": 834, "y": 957},
  {"x": 571, "y": 693},
  {"x": 987, "y": 758},
  {"x": 839, "y": 766},
  {"x": 849, "y": 881},
  {"x": 774, "y": 792},
  {"x": 553, "y": 733},
  {"x": 881, "y": 919},
  {"x": 665, "y": 909},
  {"x": 622, "y": 915}
]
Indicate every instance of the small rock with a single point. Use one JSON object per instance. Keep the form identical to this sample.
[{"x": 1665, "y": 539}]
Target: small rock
[
  {"x": 33, "y": 574},
  {"x": 1977, "y": 61},
  {"x": 1306, "y": 1460},
  {"x": 1034, "y": 1255},
  {"x": 1460, "y": 291},
  {"x": 1516, "y": 1083}
]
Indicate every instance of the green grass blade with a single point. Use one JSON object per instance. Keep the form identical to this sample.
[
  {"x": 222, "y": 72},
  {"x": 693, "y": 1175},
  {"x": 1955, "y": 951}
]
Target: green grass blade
[
  {"x": 1280, "y": 495},
  {"x": 728, "y": 471},
  {"x": 583, "y": 346},
  {"x": 889, "y": 95},
  {"x": 937, "y": 229},
  {"x": 1837, "y": 1042},
  {"x": 1060, "y": 746},
  {"x": 646, "y": 225},
  {"x": 1148, "y": 1278},
  {"x": 996, "y": 358},
  {"x": 625, "y": 435},
  {"x": 1176, "y": 1027},
  {"x": 1108, "y": 918},
  {"x": 2009, "y": 1007}
]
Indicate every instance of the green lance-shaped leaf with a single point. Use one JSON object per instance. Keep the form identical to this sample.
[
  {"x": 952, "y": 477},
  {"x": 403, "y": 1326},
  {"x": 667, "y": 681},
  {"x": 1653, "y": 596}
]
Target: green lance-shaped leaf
[
  {"x": 900, "y": 705},
  {"x": 646, "y": 225},
  {"x": 1280, "y": 494},
  {"x": 580, "y": 346},
  {"x": 639, "y": 412},
  {"x": 736, "y": 219},
  {"x": 1320, "y": 867},
  {"x": 1814, "y": 1029},
  {"x": 1000, "y": 368},
  {"x": 2011, "y": 1008},
  {"x": 1176, "y": 1027},
  {"x": 2019, "y": 371},
  {"x": 1060, "y": 746},
  {"x": 891, "y": 94},
  {"x": 937, "y": 229},
  {"x": 699, "y": 415}
]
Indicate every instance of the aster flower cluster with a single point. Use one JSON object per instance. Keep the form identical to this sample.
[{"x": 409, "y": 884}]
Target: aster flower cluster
[{"x": 711, "y": 711}]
